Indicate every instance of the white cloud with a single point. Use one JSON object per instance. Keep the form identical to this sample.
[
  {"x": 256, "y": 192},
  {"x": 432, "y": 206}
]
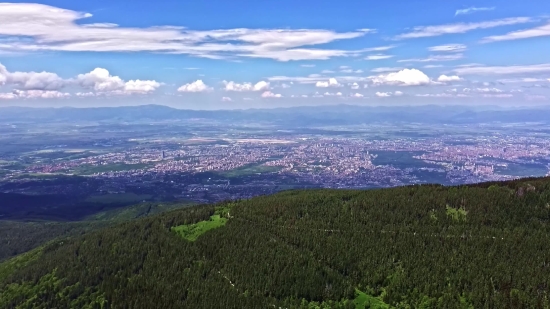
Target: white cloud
[
  {"x": 430, "y": 31},
  {"x": 503, "y": 70},
  {"x": 406, "y": 77},
  {"x": 332, "y": 94},
  {"x": 85, "y": 94},
  {"x": 354, "y": 86},
  {"x": 100, "y": 80},
  {"x": 386, "y": 69},
  {"x": 34, "y": 94},
  {"x": 307, "y": 65},
  {"x": 233, "y": 86},
  {"x": 435, "y": 58},
  {"x": 36, "y": 81},
  {"x": 483, "y": 90},
  {"x": 3, "y": 74},
  {"x": 59, "y": 29},
  {"x": 431, "y": 66},
  {"x": 351, "y": 71},
  {"x": 196, "y": 86},
  {"x": 227, "y": 99},
  {"x": 437, "y": 95},
  {"x": 523, "y": 80},
  {"x": 357, "y": 95},
  {"x": 389, "y": 94},
  {"x": 378, "y": 57},
  {"x": 368, "y": 30},
  {"x": 261, "y": 85},
  {"x": 31, "y": 80},
  {"x": 332, "y": 82},
  {"x": 454, "y": 48},
  {"x": 103, "y": 82},
  {"x": 543, "y": 30},
  {"x": 269, "y": 94},
  {"x": 327, "y": 72},
  {"x": 7, "y": 96},
  {"x": 471, "y": 10},
  {"x": 141, "y": 86},
  {"x": 445, "y": 78}
]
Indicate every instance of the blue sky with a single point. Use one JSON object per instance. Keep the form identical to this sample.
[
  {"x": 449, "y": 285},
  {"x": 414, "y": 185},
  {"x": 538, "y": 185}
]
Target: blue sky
[{"x": 242, "y": 54}]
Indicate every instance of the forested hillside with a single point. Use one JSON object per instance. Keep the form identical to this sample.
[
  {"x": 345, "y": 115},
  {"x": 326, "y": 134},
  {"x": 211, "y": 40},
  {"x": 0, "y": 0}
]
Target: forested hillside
[{"x": 479, "y": 246}]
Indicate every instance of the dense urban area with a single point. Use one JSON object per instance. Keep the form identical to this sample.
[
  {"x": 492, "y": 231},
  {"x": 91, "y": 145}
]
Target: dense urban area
[{"x": 217, "y": 165}]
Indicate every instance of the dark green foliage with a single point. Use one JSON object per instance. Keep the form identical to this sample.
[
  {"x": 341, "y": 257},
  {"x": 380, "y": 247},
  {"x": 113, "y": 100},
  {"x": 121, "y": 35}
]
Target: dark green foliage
[{"x": 480, "y": 246}]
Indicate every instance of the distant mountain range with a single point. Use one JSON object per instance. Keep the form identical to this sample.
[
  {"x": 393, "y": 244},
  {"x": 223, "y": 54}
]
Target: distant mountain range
[{"x": 294, "y": 116}]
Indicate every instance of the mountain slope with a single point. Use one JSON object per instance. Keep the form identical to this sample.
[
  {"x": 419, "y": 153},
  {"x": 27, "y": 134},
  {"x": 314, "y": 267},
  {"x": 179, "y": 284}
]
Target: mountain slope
[{"x": 424, "y": 246}]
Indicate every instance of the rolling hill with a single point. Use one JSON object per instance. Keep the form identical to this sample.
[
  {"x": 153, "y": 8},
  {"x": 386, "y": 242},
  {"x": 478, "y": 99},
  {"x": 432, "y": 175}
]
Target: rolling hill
[{"x": 476, "y": 246}]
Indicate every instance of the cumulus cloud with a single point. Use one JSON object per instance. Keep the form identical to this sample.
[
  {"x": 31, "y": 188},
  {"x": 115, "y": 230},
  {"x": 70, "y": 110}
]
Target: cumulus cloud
[
  {"x": 430, "y": 31},
  {"x": 354, "y": 86},
  {"x": 445, "y": 79},
  {"x": 103, "y": 82},
  {"x": 471, "y": 10},
  {"x": 100, "y": 80},
  {"x": 388, "y": 94},
  {"x": 406, "y": 77},
  {"x": 453, "y": 48},
  {"x": 332, "y": 94},
  {"x": 357, "y": 95},
  {"x": 332, "y": 82},
  {"x": 227, "y": 99},
  {"x": 31, "y": 80},
  {"x": 269, "y": 94},
  {"x": 60, "y": 29},
  {"x": 36, "y": 80},
  {"x": 196, "y": 86},
  {"x": 233, "y": 86}
]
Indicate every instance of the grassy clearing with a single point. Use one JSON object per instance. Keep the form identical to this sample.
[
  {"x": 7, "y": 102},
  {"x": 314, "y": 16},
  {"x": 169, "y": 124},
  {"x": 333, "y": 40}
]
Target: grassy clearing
[
  {"x": 192, "y": 231},
  {"x": 458, "y": 215},
  {"x": 364, "y": 300},
  {"x": 118, "y": 198}
]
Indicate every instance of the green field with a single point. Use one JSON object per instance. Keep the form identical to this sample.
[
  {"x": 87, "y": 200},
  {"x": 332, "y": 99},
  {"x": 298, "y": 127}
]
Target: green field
[
  {"x": 250, "y": 169},
  {"x": 192, "y": 231},
  {"x": 118, "y": 198},
  {"x": 115, "y": 167},
  {"x": 364, "y": 300}
]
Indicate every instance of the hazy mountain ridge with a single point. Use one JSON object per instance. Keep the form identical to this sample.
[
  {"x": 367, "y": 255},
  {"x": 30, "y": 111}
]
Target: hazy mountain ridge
[{"x": 305, "y": 116}]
